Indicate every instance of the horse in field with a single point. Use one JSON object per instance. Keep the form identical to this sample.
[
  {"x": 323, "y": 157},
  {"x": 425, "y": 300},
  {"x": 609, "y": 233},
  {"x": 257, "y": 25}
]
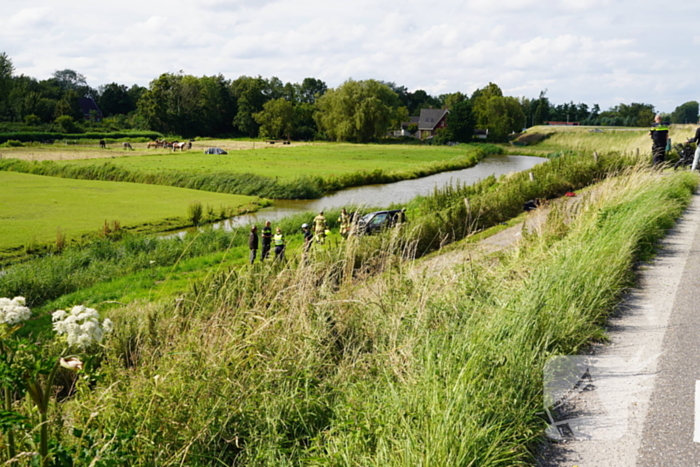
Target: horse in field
[
  {"x": 128, "y": 146},
  {"x": 181, "y": 146},
  {"x": 159, "y": 143},
  {"x": 103, "y": 144}
]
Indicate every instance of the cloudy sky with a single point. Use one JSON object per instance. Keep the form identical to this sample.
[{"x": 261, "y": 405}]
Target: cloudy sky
[{"x": 592, "y": 51}]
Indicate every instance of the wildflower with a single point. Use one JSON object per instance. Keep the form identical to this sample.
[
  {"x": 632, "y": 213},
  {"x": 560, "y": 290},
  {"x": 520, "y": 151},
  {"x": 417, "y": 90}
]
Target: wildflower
[
  {"x": 81, "y": 326},
  {"x": 72, "y": 363},
  {"x": 14, "y": 311}
]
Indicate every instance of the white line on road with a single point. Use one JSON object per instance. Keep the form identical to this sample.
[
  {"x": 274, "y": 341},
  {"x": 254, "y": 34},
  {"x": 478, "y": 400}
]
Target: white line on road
[{"x": 696, "y": 438}]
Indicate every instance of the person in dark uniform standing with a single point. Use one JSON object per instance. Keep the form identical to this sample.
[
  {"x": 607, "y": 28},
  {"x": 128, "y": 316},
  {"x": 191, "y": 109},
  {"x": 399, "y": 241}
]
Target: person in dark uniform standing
[
  {"x": 308, "y": 237},
  {"x": 253, "y": 243},
  {"x": 659, "y": 138},
  {"x": 696, "y": 140},
  {"x": 266, "y": 241}
]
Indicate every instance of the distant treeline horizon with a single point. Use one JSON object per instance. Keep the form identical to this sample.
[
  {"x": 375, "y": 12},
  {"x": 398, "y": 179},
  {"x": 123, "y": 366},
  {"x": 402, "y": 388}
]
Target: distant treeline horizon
[{"x": 257, "y": 107}]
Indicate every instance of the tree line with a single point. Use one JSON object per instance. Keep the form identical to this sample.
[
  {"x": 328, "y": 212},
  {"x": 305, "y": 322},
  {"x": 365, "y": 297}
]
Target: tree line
[{"x": 356, "y": 111}]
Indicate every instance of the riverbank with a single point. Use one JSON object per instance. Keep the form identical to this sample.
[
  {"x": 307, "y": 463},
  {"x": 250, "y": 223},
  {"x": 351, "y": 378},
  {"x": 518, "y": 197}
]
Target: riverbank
[
  {"x": 356, "y": 375},
  {"x": 353, "y": 352}
]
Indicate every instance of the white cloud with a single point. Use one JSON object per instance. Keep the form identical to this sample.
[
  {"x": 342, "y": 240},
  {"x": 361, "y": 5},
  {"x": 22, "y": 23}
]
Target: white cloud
[{"x": 581, "y": 50}]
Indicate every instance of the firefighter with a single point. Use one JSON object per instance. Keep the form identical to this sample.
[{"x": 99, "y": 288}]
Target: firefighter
[
  {"x": 320, "y": 228},
  {"x": 344, "y": 221}
]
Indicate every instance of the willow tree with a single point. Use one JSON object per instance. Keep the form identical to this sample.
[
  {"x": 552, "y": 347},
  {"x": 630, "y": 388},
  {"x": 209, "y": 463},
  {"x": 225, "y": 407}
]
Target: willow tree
[{"x": 357, "y": 111}]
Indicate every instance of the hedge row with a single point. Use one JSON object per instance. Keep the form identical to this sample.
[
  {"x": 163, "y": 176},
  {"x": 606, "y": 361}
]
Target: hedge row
[{"x": 41, "y": 136}]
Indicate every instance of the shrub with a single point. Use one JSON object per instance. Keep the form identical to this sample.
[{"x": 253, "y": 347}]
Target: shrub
[
  {"x": 195, "y": 212},
  {"x": 67, "y": 124},
  {"x": 12, "y": 143}
]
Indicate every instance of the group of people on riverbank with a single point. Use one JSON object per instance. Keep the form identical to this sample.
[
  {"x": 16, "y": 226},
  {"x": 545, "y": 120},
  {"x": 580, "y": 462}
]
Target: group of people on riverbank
[{"x": 319, "y": 234}]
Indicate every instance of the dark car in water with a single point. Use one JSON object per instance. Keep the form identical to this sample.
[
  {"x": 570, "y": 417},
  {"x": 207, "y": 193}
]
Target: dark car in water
[{"x": 378, "y": 221}]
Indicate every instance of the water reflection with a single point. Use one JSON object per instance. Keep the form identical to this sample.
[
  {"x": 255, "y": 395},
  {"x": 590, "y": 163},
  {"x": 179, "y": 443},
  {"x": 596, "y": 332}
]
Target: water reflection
[{"x": 386, "y": 194}]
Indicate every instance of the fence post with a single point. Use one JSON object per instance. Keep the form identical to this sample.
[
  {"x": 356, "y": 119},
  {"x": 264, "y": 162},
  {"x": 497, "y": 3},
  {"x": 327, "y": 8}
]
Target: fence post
[
  {"x": 595, "y": 156},
  {"x": 532, "y": 177}
]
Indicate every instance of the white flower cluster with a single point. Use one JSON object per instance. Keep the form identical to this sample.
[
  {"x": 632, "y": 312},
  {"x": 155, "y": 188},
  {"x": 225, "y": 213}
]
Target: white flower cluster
[
  {"x": 81, "y": 326},
  {"x": 13, "y": 311}
]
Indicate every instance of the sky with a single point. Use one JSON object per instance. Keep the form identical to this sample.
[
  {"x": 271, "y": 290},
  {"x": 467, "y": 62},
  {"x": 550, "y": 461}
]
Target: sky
[{"x": 602, "y": 52}]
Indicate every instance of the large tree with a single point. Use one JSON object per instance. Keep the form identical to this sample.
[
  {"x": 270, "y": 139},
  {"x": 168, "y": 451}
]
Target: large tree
[
  {"x": 357, "y": 111},
  {"x": 115, "y": 99},
  {"x": 187, "y": 105},
  {"x": 460, "y": 122},
  {"x": 251, "y": 94},
  {"x": 6, "y": 70},
  {"x": 276, "y": 120},
  {"x": 685, "y": 113},
  {"x": 500, "y": 115}
]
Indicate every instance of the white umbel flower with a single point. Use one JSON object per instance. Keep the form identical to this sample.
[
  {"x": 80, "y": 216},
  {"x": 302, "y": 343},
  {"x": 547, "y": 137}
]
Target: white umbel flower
[
  {"x": 81, "y": 326},
  {"x": 14, "y": 311}
]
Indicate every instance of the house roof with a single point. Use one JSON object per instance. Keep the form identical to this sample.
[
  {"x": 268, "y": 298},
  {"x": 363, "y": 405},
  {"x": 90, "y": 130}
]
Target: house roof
[
  {"x": 429, "y": 118},
  {"x": 87, "y": 104}
]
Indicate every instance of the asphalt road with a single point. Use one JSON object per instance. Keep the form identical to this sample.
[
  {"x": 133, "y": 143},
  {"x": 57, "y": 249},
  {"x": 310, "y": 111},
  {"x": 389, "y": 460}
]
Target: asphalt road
[{"x": 633, "y": 401}]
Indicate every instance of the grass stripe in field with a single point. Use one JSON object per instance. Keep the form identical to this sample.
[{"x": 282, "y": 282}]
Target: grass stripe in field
[{"x": 33, "y": 207}]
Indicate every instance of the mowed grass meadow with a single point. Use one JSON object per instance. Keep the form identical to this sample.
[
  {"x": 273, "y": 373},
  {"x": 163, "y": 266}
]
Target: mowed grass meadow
[
  {"x": 287, "y": 163},
  {"x": 33, "y": 208}
]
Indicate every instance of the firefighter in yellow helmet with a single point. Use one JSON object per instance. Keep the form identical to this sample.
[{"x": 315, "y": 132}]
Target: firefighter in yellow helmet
[
  {"x": 344, "y": 221},
  {"x": 320, "y": 227}
]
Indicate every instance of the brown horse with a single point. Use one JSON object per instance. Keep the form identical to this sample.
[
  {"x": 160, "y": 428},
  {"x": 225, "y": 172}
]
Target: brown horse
[
  {"x": 159, "y": 143},
  {"x": 103, "y": 144},
  {"x": 128, "y": 146}
]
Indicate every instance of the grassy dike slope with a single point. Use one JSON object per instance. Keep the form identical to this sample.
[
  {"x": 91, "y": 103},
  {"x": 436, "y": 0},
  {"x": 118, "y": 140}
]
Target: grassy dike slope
[
  {"x": 590, "y": 139},
  {"x": 33, "y": 208},
  {"x": 306, "y": 365}
]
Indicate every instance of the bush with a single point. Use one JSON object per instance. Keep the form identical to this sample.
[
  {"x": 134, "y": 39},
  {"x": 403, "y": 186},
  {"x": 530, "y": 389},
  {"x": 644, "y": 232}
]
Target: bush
[
  {"x": 67, "y": 124},
  {"x": 12, "y": 143},
  {"x": 195, "y": 212}
]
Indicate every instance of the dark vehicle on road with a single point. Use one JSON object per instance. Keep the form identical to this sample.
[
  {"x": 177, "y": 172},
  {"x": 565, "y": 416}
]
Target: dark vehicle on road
[{"x": 378, "y": 221}]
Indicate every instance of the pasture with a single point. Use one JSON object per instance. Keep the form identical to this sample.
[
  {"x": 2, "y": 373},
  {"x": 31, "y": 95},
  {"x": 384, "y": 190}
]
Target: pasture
[
  {"x": 286, "y": 162},
  {"x": 34, "y": 208},
  {"x": 90, "y": 149}
]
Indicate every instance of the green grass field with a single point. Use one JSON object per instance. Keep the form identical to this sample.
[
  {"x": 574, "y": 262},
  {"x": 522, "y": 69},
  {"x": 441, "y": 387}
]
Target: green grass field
[
  {"x": 287, "y": 163},
  {"x": 33, "y": 208}
]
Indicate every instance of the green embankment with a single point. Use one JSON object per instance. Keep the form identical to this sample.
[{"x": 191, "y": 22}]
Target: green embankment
[
  {"x": 358, "y": 357},
  {"x": 34, "y": 209},
  {"x": 306, "y": 367},
  {"x": 542, "y": 140},
  {"x": 295, "y": 172}
]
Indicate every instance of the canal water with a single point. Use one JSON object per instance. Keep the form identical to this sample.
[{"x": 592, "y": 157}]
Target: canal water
[{"x": 389, "y": 193}]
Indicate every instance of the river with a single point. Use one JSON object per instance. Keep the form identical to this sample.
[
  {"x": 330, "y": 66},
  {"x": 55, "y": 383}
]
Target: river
[{"x": 389, "y": 193}]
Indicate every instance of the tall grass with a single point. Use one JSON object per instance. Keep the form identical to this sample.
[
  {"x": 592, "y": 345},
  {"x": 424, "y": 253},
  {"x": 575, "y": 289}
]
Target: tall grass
[
  {"x": 454, "y": 212},
  {"x": 80, "y": 267},
  {"x": 305, "y": 365}
]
